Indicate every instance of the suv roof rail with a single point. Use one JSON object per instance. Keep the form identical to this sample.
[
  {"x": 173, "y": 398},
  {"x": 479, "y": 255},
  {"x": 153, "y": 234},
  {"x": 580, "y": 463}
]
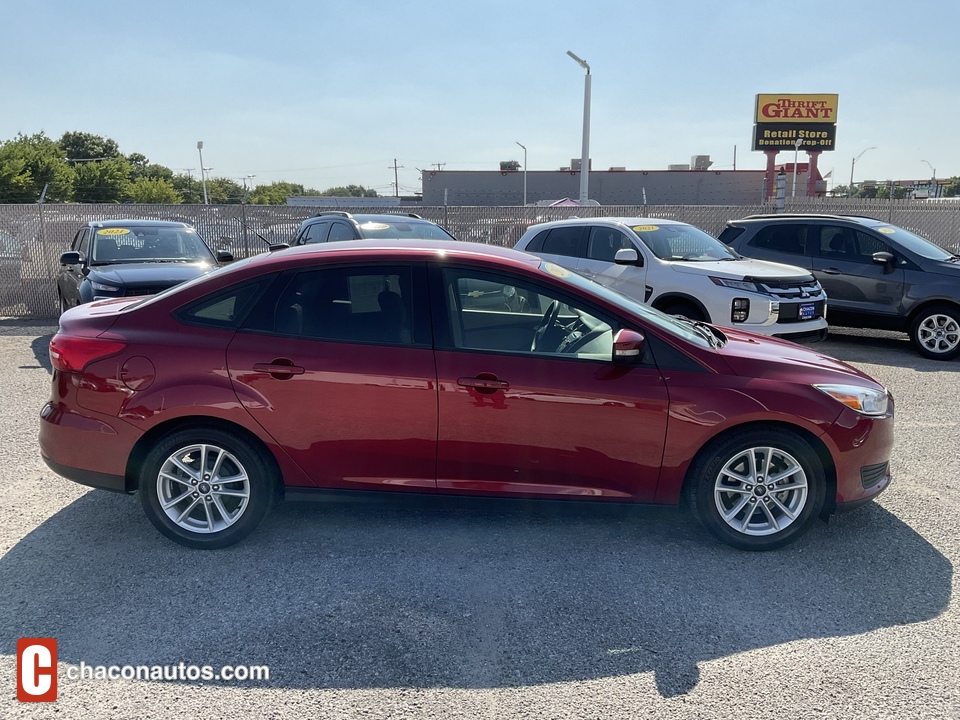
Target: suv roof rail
[
  {"x": 414, "y": 215},
  {"x": 341, "y": 213},
  {"x": 806, "y": 215}
]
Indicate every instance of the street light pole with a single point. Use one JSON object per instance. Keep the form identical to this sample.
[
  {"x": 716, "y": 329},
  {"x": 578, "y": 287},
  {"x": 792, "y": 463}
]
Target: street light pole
[
  {"x": 933, "y": 181},
  {"x": 203, "y": 174},
  {"x": 853, "y": 162},
  {"x": 585, "y": 154},
  {"x": 796, "y": 152},
  {"x": 524, "y": 173}
]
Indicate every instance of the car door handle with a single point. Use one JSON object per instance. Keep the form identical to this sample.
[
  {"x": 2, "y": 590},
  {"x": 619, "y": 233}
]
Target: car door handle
[
  {"x": 486, "y": 383},
  {"x": 279, "y": 369},
  {"x": 831, "y": 271}
]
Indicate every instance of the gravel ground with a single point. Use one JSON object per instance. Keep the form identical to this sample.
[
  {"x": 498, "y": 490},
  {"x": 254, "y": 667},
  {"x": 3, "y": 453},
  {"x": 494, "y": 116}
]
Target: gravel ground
[{"x": 493, "y": 609}]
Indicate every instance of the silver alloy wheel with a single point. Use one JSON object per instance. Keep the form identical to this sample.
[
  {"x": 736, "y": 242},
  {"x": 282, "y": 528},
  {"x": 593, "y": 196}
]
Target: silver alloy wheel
[
  {"x": 761, "y": 491},
  {"x": 203, "y": 488},
  {"x": 939, "y": 333}
]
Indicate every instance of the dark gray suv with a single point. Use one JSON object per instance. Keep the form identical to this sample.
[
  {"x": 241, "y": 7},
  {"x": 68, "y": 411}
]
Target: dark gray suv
[{"x": 876, "y": 275}]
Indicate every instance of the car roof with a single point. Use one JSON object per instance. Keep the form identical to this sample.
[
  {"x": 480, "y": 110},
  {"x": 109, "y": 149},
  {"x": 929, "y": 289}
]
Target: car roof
[
  {"x": 138, "y": 223},
  {"x": 397, "y": 249},
  {"x": 628, "y": 221},
  {"x": 779, "y": 217},
  {"x": 371, "y": 217}
]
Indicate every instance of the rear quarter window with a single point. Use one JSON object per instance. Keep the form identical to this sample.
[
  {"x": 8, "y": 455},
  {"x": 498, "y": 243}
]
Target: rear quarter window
[{"x": 730, "y": 233}]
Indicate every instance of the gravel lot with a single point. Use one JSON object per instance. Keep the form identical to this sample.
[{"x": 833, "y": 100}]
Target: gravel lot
[{"x": 492, "y": 609}]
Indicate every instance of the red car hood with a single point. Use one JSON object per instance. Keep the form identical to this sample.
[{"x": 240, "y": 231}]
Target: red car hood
[{"x": 750, "y": 355}]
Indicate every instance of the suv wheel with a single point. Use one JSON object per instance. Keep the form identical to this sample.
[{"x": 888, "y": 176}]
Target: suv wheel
[
  {"x": 757, "y": 489},
  {"x": 935, "y": 332},
  {"x": 686, "y": 310}
]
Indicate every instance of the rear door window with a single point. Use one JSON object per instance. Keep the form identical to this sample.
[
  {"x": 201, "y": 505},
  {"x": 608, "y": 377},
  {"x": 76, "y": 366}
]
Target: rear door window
[
  {"x": 568, "y": 241},
  {"x": 786, "y": 239}
]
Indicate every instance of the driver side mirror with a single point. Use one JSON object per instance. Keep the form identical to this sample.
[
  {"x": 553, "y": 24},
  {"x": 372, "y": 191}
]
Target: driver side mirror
[
  {"x": 224, "y": 257},
  {"x": 627, "y": 345},
  {"x": 71, "y": 257},
  {"x": 888, "y": 260},
  {"x": 628, "y": 256}
]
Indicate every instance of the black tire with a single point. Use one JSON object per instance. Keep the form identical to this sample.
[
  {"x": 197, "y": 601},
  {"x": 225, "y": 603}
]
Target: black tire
[
  {"x": 761, "y": 514},
  {"x": 935, "y": 332},
  {"x": 207, "y": 500},
  {"x": 687, "y": 310}
]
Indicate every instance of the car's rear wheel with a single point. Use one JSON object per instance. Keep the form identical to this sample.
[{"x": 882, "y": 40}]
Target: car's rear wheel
[
  {"x": 206, "y": 487},
  {"x": 757, "y": 489},
  {"x": 687, "y": 310},
  {"x": 935, "y": 332}
]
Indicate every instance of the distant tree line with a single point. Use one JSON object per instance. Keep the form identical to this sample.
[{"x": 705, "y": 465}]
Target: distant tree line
[{"x": 85, "y": 168}]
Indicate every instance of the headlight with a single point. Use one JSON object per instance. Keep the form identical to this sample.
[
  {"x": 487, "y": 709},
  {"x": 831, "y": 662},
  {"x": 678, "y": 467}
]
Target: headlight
[
  {"x": 735, "y": 284},
  {"x": 865, "y": 401},
  {"x": 101, "y": 286}
]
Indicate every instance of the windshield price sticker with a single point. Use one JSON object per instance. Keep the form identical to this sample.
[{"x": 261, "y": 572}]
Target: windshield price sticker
[
  {"x": 646, "y": 228},
  {"x": 113, "y": 231},
  {"x": 556, "y": 270},
  {"x": 375, "y": 226},
  {"x": 886, "y": 230}
]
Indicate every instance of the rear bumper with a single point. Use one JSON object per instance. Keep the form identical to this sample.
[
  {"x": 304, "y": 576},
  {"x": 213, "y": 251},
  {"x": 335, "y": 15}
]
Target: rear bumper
[
  {"x": 102, "y": 481},
  {"x": 90, "y": 449}
]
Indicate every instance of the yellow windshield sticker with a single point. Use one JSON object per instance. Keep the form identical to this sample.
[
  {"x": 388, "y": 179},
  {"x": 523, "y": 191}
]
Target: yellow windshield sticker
[
  {"x": 556, "y": 270},
  {"x": 113, "y": 231},
  {"x": 375, "y": 226},
  {"x": 886, "y": 230},
  {"x": 646, "y": 228}
]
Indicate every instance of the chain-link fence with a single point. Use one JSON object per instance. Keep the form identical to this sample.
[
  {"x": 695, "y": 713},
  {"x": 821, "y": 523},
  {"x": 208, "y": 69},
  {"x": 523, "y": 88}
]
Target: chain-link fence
[{"x": 32, "y": 237}]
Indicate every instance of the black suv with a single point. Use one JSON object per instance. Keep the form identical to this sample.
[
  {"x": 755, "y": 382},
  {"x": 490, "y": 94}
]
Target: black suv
[
  {"x": 333, "y": 225},
  {"x": 876, "y": 275}
]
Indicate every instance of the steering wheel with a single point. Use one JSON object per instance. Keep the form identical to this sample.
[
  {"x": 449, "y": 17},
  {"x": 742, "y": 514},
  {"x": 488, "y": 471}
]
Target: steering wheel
[{"x": 548, "y": 319}]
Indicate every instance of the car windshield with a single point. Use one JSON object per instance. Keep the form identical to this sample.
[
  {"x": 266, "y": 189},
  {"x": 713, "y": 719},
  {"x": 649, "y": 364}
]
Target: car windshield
[
  {"x": 377, "y": 229},
  {"x": 670, "y": 324},
  {"x": 682, "y": 242},
  {"x": 144, "y": 243},
  {"x": 913, "y": 243}
]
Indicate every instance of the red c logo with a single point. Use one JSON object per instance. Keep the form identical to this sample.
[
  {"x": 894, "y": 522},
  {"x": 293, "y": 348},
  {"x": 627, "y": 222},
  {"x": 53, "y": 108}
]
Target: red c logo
[{"x": 36, "y": 669}]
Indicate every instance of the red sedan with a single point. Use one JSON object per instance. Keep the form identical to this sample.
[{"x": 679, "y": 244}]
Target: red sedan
[{"x": 448, "y": 368}]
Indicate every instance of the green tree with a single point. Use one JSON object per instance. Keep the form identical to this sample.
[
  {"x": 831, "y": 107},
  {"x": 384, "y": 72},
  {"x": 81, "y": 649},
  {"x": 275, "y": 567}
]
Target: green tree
[
  {"x": 102, "y": 182},
  {"x": 224, "y": 191},
  {"x": 188, "y": 187},
  {"x": 350, "y": 191},
  {"x": 277, "y": 193},
  {"x": 87, "y": 146},
  {"x": 141, "y": 167},
  {"x": 30, "y": 162},
  {"x": 154, "y": 190},
  {"x": 952, "y": 189},
  {"x": 840, "y": 191}
]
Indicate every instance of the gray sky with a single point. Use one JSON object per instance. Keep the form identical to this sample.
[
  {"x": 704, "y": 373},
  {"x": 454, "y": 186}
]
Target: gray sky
[{"x": 329, "y": 93}]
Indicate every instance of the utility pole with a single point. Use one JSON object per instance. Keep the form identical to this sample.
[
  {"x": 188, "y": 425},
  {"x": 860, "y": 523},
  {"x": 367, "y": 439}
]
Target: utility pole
[{"x": 396, "y": 181}]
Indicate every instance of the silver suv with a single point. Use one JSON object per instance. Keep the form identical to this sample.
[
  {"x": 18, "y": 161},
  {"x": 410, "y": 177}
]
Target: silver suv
[{"x": 681, "y": 270}]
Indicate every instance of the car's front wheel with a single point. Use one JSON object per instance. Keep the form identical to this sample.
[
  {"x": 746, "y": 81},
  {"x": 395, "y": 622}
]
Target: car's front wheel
[
  {"x": 757, "y": 489},
  {"x": 206, "y": 487},
  {"x": 935, "y": 332}
]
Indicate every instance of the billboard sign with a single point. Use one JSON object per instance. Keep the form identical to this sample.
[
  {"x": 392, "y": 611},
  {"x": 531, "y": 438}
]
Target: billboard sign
[{"x": 783, "y": 119}]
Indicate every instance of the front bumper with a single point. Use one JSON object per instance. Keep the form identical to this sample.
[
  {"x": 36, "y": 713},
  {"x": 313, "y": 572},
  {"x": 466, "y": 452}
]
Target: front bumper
[{"x": 861, "y": 447}]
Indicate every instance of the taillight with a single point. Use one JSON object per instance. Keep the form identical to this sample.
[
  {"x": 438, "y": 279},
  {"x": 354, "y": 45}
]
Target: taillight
[{"x": 72, "y": 354}]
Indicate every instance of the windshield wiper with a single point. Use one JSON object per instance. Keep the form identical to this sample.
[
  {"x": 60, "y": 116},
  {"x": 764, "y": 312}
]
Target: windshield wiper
[{"x": 708, "y": 332}]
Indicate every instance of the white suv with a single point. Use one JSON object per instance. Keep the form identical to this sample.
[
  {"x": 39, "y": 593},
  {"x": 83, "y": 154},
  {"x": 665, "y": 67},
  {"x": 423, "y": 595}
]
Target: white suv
[{"x": 681, "y": 270}]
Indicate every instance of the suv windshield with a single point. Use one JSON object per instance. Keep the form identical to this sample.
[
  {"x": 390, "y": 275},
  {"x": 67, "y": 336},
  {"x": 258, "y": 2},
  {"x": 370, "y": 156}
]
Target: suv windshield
[
  {"x": 114, "y": 245},
  {"x": 376, "y": 229},
  {"x": 683, "y": 242},
  {"x": 913, "y": 243}
]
